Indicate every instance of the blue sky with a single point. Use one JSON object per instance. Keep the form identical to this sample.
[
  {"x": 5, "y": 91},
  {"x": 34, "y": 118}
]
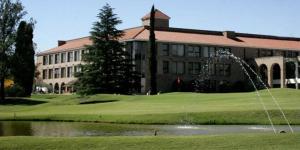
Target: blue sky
[{"x": 69, "y": 19}]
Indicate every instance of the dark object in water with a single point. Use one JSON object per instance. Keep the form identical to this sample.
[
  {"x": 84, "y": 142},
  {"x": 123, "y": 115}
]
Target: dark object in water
[
  {"x": 155, "y": 133},
  {"x": 282, "y": 131}
]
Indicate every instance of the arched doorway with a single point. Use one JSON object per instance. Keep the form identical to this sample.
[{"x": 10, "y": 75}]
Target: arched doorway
[
  {"x": 56, "y": 88},
  {"x": 252, "y": 71},
  {"x": 63, "y": 88},
  {"x": 276, "y": 75},
  {"x": 50, "y": 88},
  {"x": 263, "y": 72},
  {"x": 290, "y": 73}
]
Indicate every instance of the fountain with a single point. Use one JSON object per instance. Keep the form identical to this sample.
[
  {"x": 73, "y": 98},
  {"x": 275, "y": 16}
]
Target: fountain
[{"x": 242, "y": 63}]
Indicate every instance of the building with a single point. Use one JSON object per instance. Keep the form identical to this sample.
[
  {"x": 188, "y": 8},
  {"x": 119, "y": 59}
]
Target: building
[{"x": 182, "y": 56}]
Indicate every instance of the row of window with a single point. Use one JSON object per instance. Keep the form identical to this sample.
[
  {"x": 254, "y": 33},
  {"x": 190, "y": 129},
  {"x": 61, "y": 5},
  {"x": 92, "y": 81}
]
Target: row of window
[
  {"x": 267, "y": 53},
  {"x": 64, "y": 72},
  {"x": 211, "y": 51},
  {"x": 62, "y": 57},
  {"x": 195, "y": 68},
  {"x": 190, "y": 50}
]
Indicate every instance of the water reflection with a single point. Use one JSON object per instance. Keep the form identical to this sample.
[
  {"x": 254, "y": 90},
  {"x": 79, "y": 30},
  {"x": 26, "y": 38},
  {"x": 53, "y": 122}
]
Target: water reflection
[{"x": 28, "y": 128}]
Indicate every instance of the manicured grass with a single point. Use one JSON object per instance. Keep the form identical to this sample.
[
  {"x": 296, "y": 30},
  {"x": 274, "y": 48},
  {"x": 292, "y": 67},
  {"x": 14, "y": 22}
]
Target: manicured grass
[
  {"x": 170, "y": 108},
  {"x": 215, "y": 142}
]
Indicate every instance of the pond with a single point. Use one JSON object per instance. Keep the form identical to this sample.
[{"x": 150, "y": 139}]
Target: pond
[{"x": 74, "y": 129}]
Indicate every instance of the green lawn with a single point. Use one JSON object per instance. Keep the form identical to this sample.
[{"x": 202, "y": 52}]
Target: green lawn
[
  {"x": 170, "y": 108},
  {"x": 215, "y": 142}
]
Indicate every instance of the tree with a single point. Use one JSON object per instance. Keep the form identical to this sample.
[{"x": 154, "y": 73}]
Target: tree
[
  {"x": 107, "y": 68},
  {"x": 153, "y": 53},
  {"x": 23, "y": 59},
  {"x": 10, "y": 15}
]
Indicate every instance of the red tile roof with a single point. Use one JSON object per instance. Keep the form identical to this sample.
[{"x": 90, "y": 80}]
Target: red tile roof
[
  {"x": 158, "y": 15},
  {"x": 81, "y": 42},
  {"x": 214, "y": 39},
  {"x": 194, "y": 37},
  {"x": 70, "y": 44}
]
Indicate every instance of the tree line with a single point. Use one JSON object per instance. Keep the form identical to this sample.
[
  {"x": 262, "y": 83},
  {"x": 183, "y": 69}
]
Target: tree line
[
  {"x": 108, "y": 67},
  {"x": 16, "y": 49}
]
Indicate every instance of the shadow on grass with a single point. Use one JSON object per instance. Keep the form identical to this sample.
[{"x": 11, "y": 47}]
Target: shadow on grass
[
  {"x": 96, "y": 102},
  {"x": 20, "y": 101}
]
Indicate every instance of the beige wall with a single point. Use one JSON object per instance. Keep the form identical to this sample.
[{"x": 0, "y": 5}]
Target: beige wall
[
  {"x": 165, "y": 80},
  {"x": 60, "y": 80}
]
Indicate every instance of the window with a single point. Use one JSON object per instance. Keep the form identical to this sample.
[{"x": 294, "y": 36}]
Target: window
[
  {"x": 63, "y": 57},
  {"x": 212, "y": 52},
  {"x": 190, "y": 67},
  {"x": 220, "y": 68},
  {"x": 76, "y": 55},
  {"x": 165, "y": 49},
  {"x": 82, "y": 52},
  {"x": 78, "y": 68},
  {"x": 290, "y": 54},
  {"x": 227, "y": 70},
  {"x": 205, "y": 51},
  {"x": 180, "y": 67},
  {"x": 165, "y": 67},
  {"x": 69, "y": 72},
  {"x": 62, "y": 72},
  {"x": 56, "y": 73},
  {"x": 193, "y": 51},
  {"x": 197, "y": 68},
  {"x": 228, "y": 50},
  {"x": 219, "y": 49},
  {"x": 177, "y": 50},
  {"x": 194, "y": 67},
  {"x": 45, "y": 74},
  {"x": 75, "y": 69},
  {"x": 56, "y": 58},
  {"x": 211, "y": 69},
  {"x": 50, "y": 74},
  {"x": 50, "y": 59},
  {"x": 70, "y": 56},
  {"x": 265, "y": 53},
  {"x": 223, "y": 69},
  {"x": 177, "y": 67},
  {"x": 45, "y": 60}
]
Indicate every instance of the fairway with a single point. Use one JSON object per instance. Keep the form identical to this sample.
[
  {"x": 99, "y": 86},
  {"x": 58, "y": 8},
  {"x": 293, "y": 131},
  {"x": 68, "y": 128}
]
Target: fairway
[
  {"x": 216, "y": 142},
  {"x": 169, "y": 108}
]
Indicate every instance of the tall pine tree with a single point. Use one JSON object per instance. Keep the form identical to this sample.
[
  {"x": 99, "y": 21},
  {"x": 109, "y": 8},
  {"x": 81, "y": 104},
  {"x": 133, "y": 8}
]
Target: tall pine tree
[
  {"x": 107, "y": 68},
  {"x": 153, "y": 53},
  {"x": 23, "y": 59}
]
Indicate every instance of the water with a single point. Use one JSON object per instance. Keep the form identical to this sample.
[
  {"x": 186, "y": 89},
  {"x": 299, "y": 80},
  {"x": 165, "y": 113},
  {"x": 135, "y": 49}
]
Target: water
[
  {"x": 77, "y": 129},
  {"x": 242, "y": 63}
]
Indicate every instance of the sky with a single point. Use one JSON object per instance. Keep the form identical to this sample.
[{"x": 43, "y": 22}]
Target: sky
[{"x": 70, "y": 19}]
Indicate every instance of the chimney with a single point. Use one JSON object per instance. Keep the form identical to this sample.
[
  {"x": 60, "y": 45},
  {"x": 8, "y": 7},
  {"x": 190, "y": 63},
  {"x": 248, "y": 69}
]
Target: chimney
[
  {"x": 229, "y": 34},
  {"x": 60, "y": 43}
]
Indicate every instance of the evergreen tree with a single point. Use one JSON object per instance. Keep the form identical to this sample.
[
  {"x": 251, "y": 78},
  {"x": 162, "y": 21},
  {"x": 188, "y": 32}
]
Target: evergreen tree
[
  {"x": 23, "y": 60},
  {"x": 153, "y": 53},
  {"x": 10, "y": 15},
  {"x": 107, "y": 68}
]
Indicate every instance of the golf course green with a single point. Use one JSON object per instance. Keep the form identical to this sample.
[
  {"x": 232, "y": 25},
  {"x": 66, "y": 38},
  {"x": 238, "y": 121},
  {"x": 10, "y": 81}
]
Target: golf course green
[
  {"x": 169, "y": 108},
  {"x": 213, "y": 142}
]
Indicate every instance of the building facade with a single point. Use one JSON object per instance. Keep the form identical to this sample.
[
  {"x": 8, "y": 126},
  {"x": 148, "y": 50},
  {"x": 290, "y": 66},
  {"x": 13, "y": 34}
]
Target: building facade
[{"x": 185, "y": 55}]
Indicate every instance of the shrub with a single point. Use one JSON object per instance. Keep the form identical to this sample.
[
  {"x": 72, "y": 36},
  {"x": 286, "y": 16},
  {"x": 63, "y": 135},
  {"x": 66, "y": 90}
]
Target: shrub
[{"x": 15, "y": 91}]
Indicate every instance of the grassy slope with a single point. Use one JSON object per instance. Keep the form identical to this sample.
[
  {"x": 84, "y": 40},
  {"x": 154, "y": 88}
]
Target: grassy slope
[
  {"x": 240, "y": 141},
  {"x": 172, "y": 108}
]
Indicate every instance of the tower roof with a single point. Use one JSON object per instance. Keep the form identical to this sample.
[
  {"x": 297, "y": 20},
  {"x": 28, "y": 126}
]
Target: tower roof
[{"x": 158, "y": 15}]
